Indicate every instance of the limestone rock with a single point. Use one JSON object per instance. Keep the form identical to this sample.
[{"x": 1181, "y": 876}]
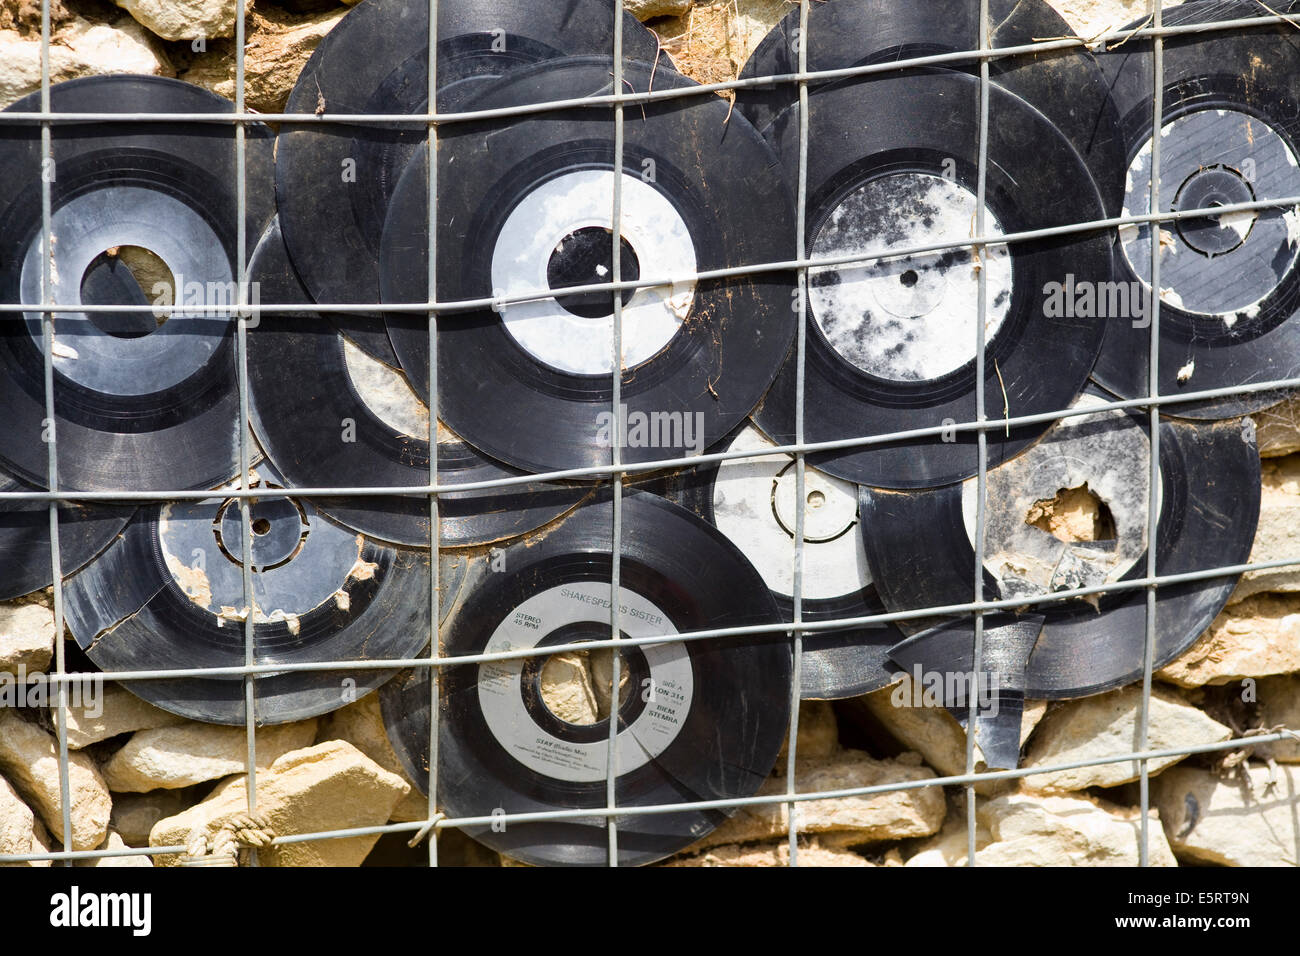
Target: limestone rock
[
  {"x": 1107, "y": 724},
  {"x": 116, "y": 711},
  {"x": 26, "y": 630},
  {"x": 1022, "y": 829},
  {"x": 18, "y": 827},
  {"x": 819, "y": 734},
  {"x": 1279, "y": 706},
  {"x": 884, "y": 816},
  {"x": 712, "y": 41},
  {"x": 135, "y": 814},
  {"x": 649, "y": 9},
  {"x": 1254, "y": 638},
  {"x": 1091, "y": 17},
  {"x": 29, "y": 757},
  {"x": 115, "y": 842},
  {"x": 1277, "y": 536},
  {"x": 277, "y": 47},
  {"x": 330, "y": 786},
  {"x": 1277, "y": 429},
  {"x": 362, "y": 725},
  {"x": 80, "y": 48},
  {"x": 184, "y": 19},
  {"x": 172, "y": 757},
  {"x": 770, "y": 854},
  {"x": 1230, "y": 821}
]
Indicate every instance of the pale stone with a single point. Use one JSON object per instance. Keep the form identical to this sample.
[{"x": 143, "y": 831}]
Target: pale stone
[
  {"x": 362, "y": 725},
  {"x": 770, "y": 854},
  {"x": 18, "y": 827},
  {"x": 819, "y": 734},
  {"x": 330, "y": 786},
  {"x": 1277, "y": 536},
  {"x": 29, "y": 757},
  {"x": 1254, "y": 638},
  {"x": 116, "y": 711},
  {"x": 1279, "y": 706},
  {"x": 115, "y": 842},
  {"x": 26, "y": 630},
  {"x": 135, "y": 814},
  {"x": 897, "y": 814},
  {"x": 1106, "y": 725},
  {"x": 1020, "y": 829},
  {"x": 1229, "y": 821},
  {"x": 1277, "y": 429},
  {"x": 278, "y": 45},
  {"x": 649, "y": 9},
  {"x": 712, "y": 41},
  {"x": 81, "y": 48},
  {"x": 184, "y": 19},
  {"x": 1092, "y": 17},
  {"x": 172, "y": 757}
]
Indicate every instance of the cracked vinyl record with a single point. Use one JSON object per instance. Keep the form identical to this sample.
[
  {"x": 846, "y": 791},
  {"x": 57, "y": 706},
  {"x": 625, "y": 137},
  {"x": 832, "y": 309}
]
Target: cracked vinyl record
[
  {"x": 529, "y": 382},
  {"x": 1230, "y": 283},
  {"x": 1066, "y": 85},
  {"x": 752, "y": 502},
  {"x": 1072, "y": 513},
  {"x": 169, "y": 594},
  {"x": 334, "y": 180},
  {"x": 329, "y": 415},
  {"x": 891, "y": 343},
  {"x": 143, "y": 401},
  {"x": 698, "y": 720}
]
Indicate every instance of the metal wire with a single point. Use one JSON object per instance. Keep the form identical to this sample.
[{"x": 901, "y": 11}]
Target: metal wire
[{"x": 617, "y": 471}]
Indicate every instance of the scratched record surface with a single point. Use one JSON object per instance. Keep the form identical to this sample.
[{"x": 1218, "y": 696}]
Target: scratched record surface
[
  {"x": 1046, "y": 532},
  {"x": 377, "y": 61},
  {"x": 1230, "y": 284},
  {"x": 142, "y": 401},
  {"x": 327, "y": 414},
  {"x": 752, "y": 502},
  {"x": 530, "y": 384},
  {"x": 699, "y": 720},
  {"x": 169, "y": 594},
  {"x": 1066, "y": 85},
  {"x": 891, "y": 342}
]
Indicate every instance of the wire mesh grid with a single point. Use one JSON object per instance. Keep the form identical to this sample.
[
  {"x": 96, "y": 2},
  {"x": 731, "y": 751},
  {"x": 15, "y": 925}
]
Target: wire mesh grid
[{"x": 1153, "y": 31}]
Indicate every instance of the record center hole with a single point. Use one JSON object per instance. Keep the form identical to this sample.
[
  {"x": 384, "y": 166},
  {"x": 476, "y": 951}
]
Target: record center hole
[
  {"x": 816, "y": 499},
  {"x": 909, "y": 278},
  {"x": 576, "y": 685},
  {"x": 585, "y": 257},
  {"x": 261, "y": 526},
  {"x": 128, "y": 275},
  {"x": 1074, "y": 514}
]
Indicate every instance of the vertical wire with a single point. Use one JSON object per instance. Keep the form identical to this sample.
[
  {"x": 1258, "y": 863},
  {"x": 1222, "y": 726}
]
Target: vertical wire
[
  {"x": 800, "y": 490},
  {"x": 981, "y": 476},
  {"x": 48, "y": 173},
  {"x": 435, "y": 639},
  {"x": 616, "y": 670},
  {"x": 241, "y": 345},
  {"x": 1153, "y": 390}
]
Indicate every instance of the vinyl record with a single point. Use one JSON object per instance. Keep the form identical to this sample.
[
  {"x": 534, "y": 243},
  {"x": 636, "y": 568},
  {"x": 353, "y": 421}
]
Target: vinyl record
[
  {"x": 84, "y": 531},
  {"x": 1046, "y": 532},
  {"x": 138, "y": 406},
  {"x": 327, "y": 414},
  {"x": 1066, "y": 85},
  {"x": 530, "y": 384},
  {"x": 752, "y": 502},
  {"x": 169, "y": 594},
  {"x": 891, "y": 343},
  {"x": 703, "y": 720},
  {"x": 334, "y": 180},
  {"x": 1230, "y": 285}
]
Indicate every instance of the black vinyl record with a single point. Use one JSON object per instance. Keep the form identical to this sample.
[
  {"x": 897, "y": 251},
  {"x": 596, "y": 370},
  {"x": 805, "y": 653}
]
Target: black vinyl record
[
  {"x": 169, "y": 594},
  {"x": 139, "y": 408},
  {"x": 317, "y": 428},
  {"x": 922, "y": 555},
  {"x": 752, "y": 502},
  {"x": 891, "y": 343},
  {"x": 1066, "y": 85},
  {"x": 84, "y": 531},
  {"x": 1230, "y": 285},
  {"x": 529, "y": 384},
  {"x": 700, "y": 720},
  {"x": 334, "y": 180}
]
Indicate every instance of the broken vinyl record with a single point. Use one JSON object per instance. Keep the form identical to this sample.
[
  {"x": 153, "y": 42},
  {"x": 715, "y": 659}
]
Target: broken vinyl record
[
  {"x": 1066, "y": 85},
  {"x": 329, "y": 415},
  {"x": 752, "y": 502},
  {"x": 891, "y": 342},
  {"x": 529, "y": 382},
  {"x": 143, "y": 401},
  {"x": 1229, "y": 283},
  {"x": 699, "y": 720},
  {"x": 334, "y": 180},
  {"x": 169, "y": 594},
  {"x": 1071, "y": 512}
]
